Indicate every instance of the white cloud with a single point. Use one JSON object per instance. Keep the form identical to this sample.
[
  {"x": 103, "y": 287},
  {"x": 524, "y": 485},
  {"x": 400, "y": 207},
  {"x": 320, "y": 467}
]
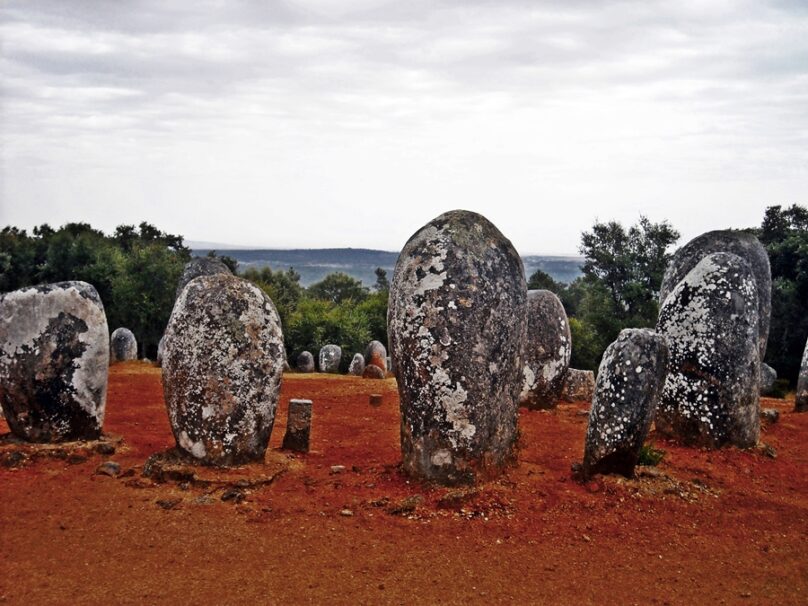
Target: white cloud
[{"x": 324, "y": 123}]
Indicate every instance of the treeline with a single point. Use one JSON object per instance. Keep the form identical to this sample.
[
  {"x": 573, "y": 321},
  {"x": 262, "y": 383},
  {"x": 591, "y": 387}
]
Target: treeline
[
  {"x": 623, "y": 272},
  {"x": 136, "y": 270}
]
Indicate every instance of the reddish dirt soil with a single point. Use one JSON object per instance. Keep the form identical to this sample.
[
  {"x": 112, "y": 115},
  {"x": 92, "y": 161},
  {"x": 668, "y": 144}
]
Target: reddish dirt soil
[{"x": 712, "y": 527}]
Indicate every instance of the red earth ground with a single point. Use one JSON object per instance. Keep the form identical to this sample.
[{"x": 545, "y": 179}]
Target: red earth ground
[{"x": 703, "y": 527}]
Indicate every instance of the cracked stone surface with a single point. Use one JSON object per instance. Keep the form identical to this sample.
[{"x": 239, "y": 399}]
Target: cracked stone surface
[
  {"x": 201, "y": 266},
  {"x": 579, "y": 386},
  {"x": 54, "y": 354},
  {"x": 547, "y": 350},
  {"x": 746, "y": 246},
  {"x": 630, "y": 380},
  {"x": 222, "y": 369},
  {"x": 376, "y": 354},
  {"x": 329, "y": 358},
  {"x": 357, "y": 366},
  {"x": 122, "y": 345},
  {"x": 305, "y": 362},
  {"x": 457, "y": 322},
  {"x": 801, "y": 404},
  {"x": 711, "y": 396}
]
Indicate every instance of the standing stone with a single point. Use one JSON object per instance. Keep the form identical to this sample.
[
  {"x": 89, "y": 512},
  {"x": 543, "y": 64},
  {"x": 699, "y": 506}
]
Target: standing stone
[
  {"x": 201, "y": 266},
  {"x": 743, "y": 244},
  {"x": 298, "y": 426},
  {"x": 579, "y": 386},
  {"x": 54, "y": 354},
  {"x": 305, "y": 362},
  {"x": 801, "y": 403},
  {"x": 630, "y": 381},
  {"x": 710, "y": 320},
  {"x": 330, "y": 357},
  {"x": 767, "y": 378},
  {"x": 376, "y": 354},
  {"x": 122, "y": 345},
  {"x": 357, "y": 366},
  {"x": 373, "y": 372},
  {"x": 547, "y": 350},
  {"x": 222, "y": 369},
  {"x": 457, "y": 326},
  {"x": 160, "y": 349}
]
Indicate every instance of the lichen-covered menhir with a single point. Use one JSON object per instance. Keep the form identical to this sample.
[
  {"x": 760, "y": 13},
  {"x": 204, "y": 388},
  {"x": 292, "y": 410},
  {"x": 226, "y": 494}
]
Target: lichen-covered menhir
[
  {"x": 222, "y": 369},
  {"x": 630, "y": 379},
  {"x": 122, "y": 345},
  {"x": 201, "y": 266},
  {"x": 54, "y": 356},
  {"x": 329, "y": 358},
  {"x": 547, "y": 350},
  {"x": 711, "y": 396},
  {"x": 457, "y": 321}
]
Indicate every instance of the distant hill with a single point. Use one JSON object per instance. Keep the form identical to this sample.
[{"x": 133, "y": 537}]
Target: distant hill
[{"x": 314, "y": 264}]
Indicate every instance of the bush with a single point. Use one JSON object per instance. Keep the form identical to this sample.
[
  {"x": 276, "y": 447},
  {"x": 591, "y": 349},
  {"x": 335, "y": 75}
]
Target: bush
[{"x": 650, "y": 456}]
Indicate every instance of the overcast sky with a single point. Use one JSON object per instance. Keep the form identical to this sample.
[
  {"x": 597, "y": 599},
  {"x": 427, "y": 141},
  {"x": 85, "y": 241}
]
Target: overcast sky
[{"x": 323, "y": 123}]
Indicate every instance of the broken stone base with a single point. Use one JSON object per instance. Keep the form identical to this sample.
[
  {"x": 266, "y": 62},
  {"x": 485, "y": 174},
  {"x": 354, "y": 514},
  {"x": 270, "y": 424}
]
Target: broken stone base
[
  {"x": 173, "y": 465},
  {"x": 15, "y": 452}
]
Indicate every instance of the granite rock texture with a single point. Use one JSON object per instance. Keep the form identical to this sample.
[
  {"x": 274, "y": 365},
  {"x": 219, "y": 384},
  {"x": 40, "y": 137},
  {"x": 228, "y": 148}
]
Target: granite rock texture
[
  {"x": 373, "y": 372},
  {"x": 711, "y": 396},
  {"x": 767, "y": 378},
  {"x": 630, "y": 380},
  {"x": 201, "y": 266},
  {"x": 579, "y": 386},
  {"x": 457, "y": 322},
  {"x": 357, "y": 366},
  {"x": 330, "y": 358},
  {"x": 746, "y": 246},
  {"x": 376, "y": 354},
  {"x": 122, "y": 345},
  {"x": 305, "y": 362},
  {"x": 54, "y": 354},
  {"x": 298, "y": 426},
  {"x": 547, "y": 350},
  {"x": 222, "y": 369}
]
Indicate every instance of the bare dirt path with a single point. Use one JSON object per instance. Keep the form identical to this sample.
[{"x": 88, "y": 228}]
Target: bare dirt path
[{"x": 709, "y": 527}]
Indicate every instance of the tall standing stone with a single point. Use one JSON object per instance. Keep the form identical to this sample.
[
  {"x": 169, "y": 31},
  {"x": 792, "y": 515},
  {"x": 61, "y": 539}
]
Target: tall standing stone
[
  {"x": 160, "y": 349},
  {"x": 801, "y": 403},
  {"x": 629, "y": 384},
  {"x": 54, "y": 354},
  {"x": 711, "y": 396},
  {"x": 376, "y": 355},
  {"x": 457, "y": 321},
  {"x": 547, "y": 350},
  {"x": 305, "y": 362},
  {"x": 743, "y": 244},
  {"x": 222, "y": 369},
  {"x": 201, "y": 266},
  {"x": 329, "y": 359},
  {"x": 357, "y": 366},
  {"x": 767, "y": 378},
  {"x": 122, "y": 345}
]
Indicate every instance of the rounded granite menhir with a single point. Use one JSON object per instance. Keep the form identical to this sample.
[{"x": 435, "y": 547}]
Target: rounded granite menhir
[
  {"x": 630, "y": 380},
  {"x": 305, "y": 362},
  {"x": 122, "y": 345},
  {"x": 330, "y": 358},
  {"x": 711, "y": 396},
  {"x": 740, "y": 243},
  {"x": 457, "y": 324},
  {"x": 357, "y": 366},
  {"x": 201, "y": 266},
  {"x": 376, "y": 355},
  {"x": 54, "y": 354},
  {"x": 222, "y": 369},
  {"x": 547, "y": 350}
]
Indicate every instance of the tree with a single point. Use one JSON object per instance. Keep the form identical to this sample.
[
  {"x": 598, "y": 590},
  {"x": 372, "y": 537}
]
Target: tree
[
  {"x": 630, "y": 265},
  {"x": 338, "y": 288},
  {"x": 784, "y": 234},
  {"x": 541, "y": 280},
  {"x": 283, "y": 287},
  {"x": 382, "y": 283}
]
